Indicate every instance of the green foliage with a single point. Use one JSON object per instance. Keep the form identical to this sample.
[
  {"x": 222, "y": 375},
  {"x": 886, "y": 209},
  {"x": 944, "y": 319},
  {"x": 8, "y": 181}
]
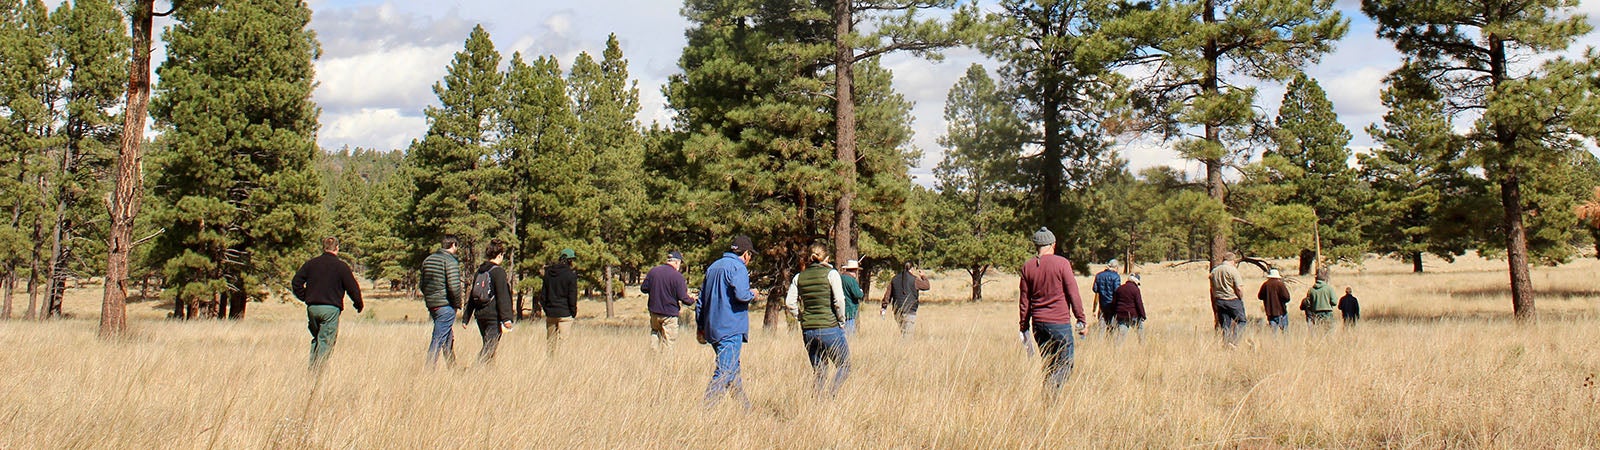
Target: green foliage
[
  {"x": 30, "y": 87},
  {"x": 94, "y": 46},
  {"x": 608, "y": 156},
  {"x": 1424, "y": 198},
  {"x": 538, "y": 126},
  {"x": 235, "y": 183},
  {"x": 1308, "y": 168},
  {"x": 366, "y": 193},
  {"x": 461, "y": 189}
]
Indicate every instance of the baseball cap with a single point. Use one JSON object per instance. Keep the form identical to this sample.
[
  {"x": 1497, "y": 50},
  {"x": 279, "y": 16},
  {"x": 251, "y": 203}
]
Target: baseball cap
[
  {"x": 674, "y": 256},
  {"x": 567, "y": 253},
  {"x": 741, "y": 243}
]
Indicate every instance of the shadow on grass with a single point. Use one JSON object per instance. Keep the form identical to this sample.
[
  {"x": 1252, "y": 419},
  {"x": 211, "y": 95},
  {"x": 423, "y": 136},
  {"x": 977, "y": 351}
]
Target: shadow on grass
[
  {"x": 1414, "y": 317},
  {"x": 1504, "y": 292}
]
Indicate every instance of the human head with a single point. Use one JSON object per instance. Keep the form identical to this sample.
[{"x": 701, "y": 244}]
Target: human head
[
  {"x": 449, "y": 244},
  {"x": 494, "y": 250},
  {"x": 567, "y": 255},
  {"x": 818, "y": 253},
  {"x": 852, "y": 266},
  {"x": 1347, "y": 290},
  {"x": 330, "y": 244},
  {"x": 1322, "y": 274},
  {"x": 1134, "y": 278},
  {"x": 1044, "y": 241},
  {"x": 1230, "y": 258},
  {"x": 1111, "y": 265},
  {"x": 675, "y": 259},
  {"x": 1274, "y": 274},
  {"x": 743, "y": 247}
]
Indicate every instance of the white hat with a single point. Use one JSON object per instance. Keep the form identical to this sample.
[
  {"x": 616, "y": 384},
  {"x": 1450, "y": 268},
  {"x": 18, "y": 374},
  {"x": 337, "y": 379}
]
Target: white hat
[
  {"x": 1273, "y": 274},
  {"x": 851, "y": 264}
]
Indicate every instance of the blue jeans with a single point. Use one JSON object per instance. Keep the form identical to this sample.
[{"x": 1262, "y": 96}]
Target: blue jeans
[
  {"x": 1233, "y": 319},
  {"x": 726, "y": 378},
  {"x": 444, "y": 337},
  {"x": 1279, "y": 322},
  {"x": 827, "y": 345},
  {"x": 849, "y": 327},
  {"x": 1055, "y": 345}
]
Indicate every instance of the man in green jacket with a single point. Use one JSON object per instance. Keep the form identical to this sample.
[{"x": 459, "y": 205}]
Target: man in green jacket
[
  {"x": 441, "y": 285},
  {"x": 852, "y": 295},
  {"x": 1319, "y": 302}
]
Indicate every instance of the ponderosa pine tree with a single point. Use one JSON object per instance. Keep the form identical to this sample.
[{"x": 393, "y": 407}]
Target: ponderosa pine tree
[
  {"x": 94, "y": 54},
  {"x": 537, "y": 126},
  {"x": 1204, "y": 55},
  {"x": 1526, "y": 119},
  {"x": 461, "y": 188},
  {"x": 606, "y": 106},
  {"x": 1308, "y": 166},
  {"x": 978, "y": 181},
  {"x": 1424, "y": 199},
  {"x": 241, "y": 195}
]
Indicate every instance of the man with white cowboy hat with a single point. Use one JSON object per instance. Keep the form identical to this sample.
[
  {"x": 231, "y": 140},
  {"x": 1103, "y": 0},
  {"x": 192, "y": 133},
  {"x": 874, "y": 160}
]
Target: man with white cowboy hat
[
  {"x": 852, "y": 294},
  {"x": 1275, "y": 295}
]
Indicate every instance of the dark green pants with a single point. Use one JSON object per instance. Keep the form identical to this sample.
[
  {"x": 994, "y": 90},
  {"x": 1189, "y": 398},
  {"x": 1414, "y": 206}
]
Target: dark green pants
[{"x": 323, "y": 320}]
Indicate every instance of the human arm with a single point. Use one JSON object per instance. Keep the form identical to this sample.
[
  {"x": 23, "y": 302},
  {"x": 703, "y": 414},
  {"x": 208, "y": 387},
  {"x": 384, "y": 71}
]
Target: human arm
[
  {"x": 352, "y": 288},
  {"x": 298, "y": 284},
  {"x": 569, "y": 283},
  {"x": 682, "y": 286},
  {"x": 888, "y": 292},
  {"x": 1138, "y": 303},
  {"x": 741, "y": 285},
  {"x": 1025, "y": 307},
  {"x": 454, "y": 287},
  {"x": 852, "y": 290},
  {"x": 502, "y": 294},
  {"x": 837, "y": 284},
  {"x": 1074, "y": 298},
  {"x": 922, "y": 283}
]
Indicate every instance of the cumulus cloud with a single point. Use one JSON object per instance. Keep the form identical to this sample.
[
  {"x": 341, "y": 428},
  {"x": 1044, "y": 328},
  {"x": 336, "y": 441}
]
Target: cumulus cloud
[{"x": 376, "y": 128}]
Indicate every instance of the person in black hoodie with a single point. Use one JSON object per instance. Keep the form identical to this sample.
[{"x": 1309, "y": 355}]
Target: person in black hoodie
[
  {"x": 560, "y": 297},
  {"x": 495, "y": 316}
]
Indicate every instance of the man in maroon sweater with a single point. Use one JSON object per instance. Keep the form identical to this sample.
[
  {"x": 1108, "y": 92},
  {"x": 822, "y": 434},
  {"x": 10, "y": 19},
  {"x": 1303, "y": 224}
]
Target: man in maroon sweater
[{"x": 1049, "y": 302}]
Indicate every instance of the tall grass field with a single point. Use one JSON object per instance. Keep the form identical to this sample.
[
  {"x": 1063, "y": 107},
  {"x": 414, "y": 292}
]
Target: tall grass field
[{"x": 1436, "y": 362}]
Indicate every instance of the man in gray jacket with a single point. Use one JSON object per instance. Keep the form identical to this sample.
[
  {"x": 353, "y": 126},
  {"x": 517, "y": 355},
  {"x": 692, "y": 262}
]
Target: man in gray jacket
[{"x": 442, "y": 292}]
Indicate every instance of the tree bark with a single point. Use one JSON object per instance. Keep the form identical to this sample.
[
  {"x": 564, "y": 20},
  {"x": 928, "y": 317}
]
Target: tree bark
[
  {"x": 124, "y": 202},
  {"x": 236, "y": 302},
  {"x": 1211, "y": 86},
  {"x": 9, "y": 281},
  {"x": 977, "y": 281},
  {"x": 1517, "y": 248},
  {"x": 844, "y": 245},
  {"x": 609, "y": 313},
  {"x": 1416, "y": 262}
]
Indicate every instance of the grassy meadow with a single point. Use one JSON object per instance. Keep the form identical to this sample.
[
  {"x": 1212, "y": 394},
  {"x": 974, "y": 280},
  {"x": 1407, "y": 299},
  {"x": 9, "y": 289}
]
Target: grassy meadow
[{"x": 1435, "y": 363}]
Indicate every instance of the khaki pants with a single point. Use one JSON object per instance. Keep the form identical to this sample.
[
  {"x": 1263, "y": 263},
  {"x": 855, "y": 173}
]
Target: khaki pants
[
  {"x": 554, "y": 328},
  {"x": 664, "y": 329}
]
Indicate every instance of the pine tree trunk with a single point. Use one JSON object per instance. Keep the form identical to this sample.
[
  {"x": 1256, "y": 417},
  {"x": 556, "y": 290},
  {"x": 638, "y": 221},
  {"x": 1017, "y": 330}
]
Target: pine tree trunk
[
  {"x": 178, "y": 308},
  {"x": 236, "y": 302},
  {"x": 1211, "y": 86},
  {"x": 1416, "y": 262},
  {"x": 33, "y": 291},
  {"x": 219, "y": 306},
  {"x": 977, "y": 273},
  {"x": 129, "y": 178},
  {"x": 9, "y": 282},
  {"x": 609, "y": 313},
  {"x": 1517, "y": 248},
  {"x": 844, "y": 246}
]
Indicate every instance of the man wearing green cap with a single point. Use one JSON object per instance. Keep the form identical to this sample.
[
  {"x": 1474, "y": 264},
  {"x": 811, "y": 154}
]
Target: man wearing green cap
[{"x": 560, "y": 298}]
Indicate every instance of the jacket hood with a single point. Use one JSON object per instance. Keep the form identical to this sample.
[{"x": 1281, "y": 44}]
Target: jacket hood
[{"x": 1320, "y": 284}]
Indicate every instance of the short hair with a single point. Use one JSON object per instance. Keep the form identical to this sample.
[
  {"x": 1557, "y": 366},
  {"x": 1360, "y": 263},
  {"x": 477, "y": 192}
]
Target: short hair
[
  {"x": 910, "y": 265},
  {"x": 330, "y": 244},
  {"x": 495, "y": 248},
  {"x": 448, "y": 241},
  {"x": 1230, "y": 256},
  {"x": 818, "y": 253}
]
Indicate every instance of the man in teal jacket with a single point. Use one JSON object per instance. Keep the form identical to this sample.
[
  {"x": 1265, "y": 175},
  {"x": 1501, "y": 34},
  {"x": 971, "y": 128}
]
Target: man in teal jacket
[{"x": 852, "y": 295}]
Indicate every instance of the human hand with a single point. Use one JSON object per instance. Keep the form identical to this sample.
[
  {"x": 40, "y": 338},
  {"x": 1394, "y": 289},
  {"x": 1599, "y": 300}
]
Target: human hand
[
  {"x": 505, "y": 326},
  {"x": 1083, "y": 329}
]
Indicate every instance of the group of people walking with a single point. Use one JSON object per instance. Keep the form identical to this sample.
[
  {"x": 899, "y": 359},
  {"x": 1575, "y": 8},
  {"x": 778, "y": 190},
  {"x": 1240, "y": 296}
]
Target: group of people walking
[{"x": 824, "y": 300}]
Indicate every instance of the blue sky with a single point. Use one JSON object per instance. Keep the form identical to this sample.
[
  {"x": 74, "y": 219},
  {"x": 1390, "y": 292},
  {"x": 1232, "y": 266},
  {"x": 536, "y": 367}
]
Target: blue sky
[{"x": 381, "y": 58}]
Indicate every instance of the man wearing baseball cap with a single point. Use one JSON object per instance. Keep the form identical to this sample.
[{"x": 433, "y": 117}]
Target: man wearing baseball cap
[
  {"x": 667, "y": 289},
  {"x": 722, "y": 318},
  {"x": 1049, "y": 302},
  {"x": 560, "y": 298}
]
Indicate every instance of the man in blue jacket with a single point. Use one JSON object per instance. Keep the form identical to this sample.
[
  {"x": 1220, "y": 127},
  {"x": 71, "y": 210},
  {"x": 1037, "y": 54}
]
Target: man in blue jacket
[
  {"x": 722, "y": 318},
  {"x": 1105, "y": 291}
]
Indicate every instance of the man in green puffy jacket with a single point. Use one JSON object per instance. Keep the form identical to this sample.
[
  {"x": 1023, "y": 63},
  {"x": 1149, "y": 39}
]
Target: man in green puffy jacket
[
  {"x": 1319, "y": 302},
  {"x": 442, "y": 292}
]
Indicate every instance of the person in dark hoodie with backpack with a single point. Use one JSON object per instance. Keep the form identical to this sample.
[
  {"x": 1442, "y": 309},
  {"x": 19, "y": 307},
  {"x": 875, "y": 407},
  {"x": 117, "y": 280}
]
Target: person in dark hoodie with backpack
[
  {"x": 560, "y": 297},
  {"x": 492, "y": 304}
]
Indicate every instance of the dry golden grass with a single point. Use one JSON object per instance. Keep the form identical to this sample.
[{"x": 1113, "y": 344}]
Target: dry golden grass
[{"x": 1437, "y": 363}]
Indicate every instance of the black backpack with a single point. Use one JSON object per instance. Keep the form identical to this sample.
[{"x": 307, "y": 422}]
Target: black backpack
[{"x": 482, "y": 290}]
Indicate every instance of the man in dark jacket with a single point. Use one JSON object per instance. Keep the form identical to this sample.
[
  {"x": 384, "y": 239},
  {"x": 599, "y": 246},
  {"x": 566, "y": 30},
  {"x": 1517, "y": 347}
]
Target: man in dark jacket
[
  {"x": 1105, "y": 289},
  {"x": 904, "y": 293},
  {"x": 441, "y": 293},
  {"x": 1127, "y": 307},
  {"x": 1274, "y": 295},
  {"x": 322, "y": 283},
  {"x": 1349, "y": 307},
  {"x": 666, "y": 290},
  {"x": 496, "y": 313},
  {"x": 560, "y": 297}
]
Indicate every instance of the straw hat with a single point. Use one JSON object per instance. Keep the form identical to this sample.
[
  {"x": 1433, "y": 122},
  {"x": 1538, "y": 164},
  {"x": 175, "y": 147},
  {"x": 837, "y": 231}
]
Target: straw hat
[{"x": 1273, "y": 274}]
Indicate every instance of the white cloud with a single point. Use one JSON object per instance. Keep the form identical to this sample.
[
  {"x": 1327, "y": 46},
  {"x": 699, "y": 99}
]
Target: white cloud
[
  {"x": 395, "y": 78},
  {"x": 376, "y": 128}
]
